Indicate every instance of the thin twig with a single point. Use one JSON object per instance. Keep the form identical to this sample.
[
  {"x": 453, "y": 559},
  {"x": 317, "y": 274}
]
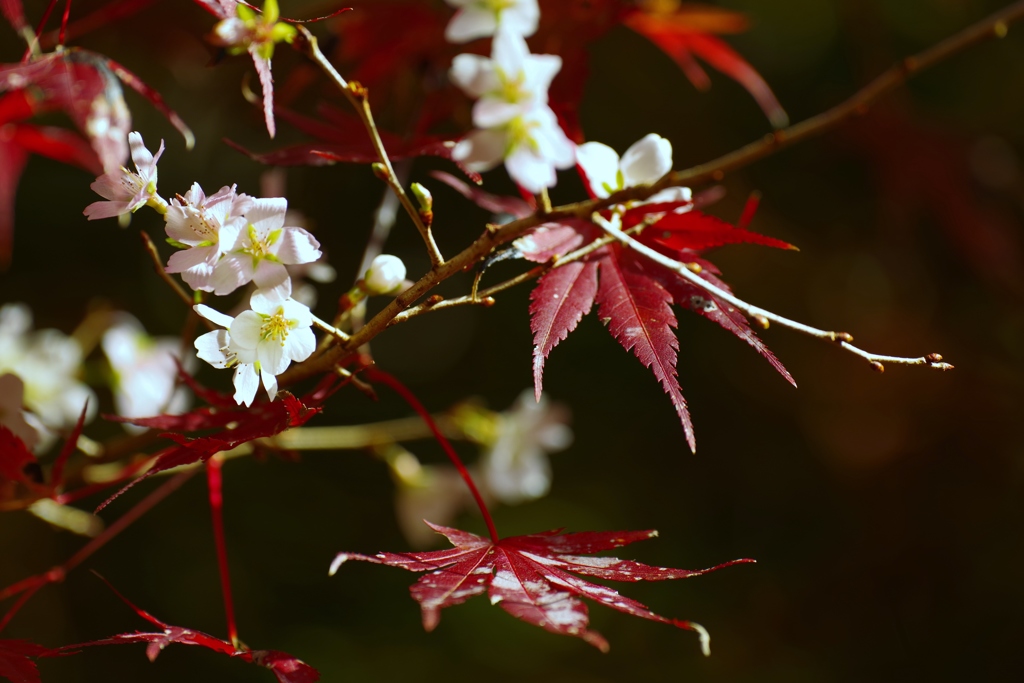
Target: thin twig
[
  {"x": 843, "y": 339},
  {"x": 154, "y": 255},
  {"x": 358, "y": 95},
  {"x": 713, "y": 171}
]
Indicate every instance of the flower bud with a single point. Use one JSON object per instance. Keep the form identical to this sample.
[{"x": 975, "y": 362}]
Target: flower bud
[
  {"x": 385, "y": 275},
  {"x": 423, "y": 196}
]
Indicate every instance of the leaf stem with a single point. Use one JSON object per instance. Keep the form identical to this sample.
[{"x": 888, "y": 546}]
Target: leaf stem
[
  {"x": 373, "y": 374},
  {"x": 214, "y": 483}
]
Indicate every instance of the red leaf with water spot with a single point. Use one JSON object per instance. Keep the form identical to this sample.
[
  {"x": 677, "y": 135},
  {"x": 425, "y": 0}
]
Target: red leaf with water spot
[
  {"x": 532, "y": 577},
  {"x": 287, "y": 668},
  {"x": 17, "y": 661},
  {"x": 636, "y": 309}
]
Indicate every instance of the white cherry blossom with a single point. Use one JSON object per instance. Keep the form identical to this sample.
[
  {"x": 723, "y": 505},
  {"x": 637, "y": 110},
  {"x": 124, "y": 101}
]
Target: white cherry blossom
[
  {"x": 507, "y": 84},
  {"x": 646, "y": 161},
  {"x": 481, "y": 18},
  {"x": 259, "y": 343},
  {"x": 262, "y": 249},
  {"x": 532, "y": 146},
  {"x": 48, "y": 363},
  {"x": 124, "y": 191},
  {"x": 144, "y": 371},
  {"x": 205, "y": 227},
  {"x": 516, "y": 468}
]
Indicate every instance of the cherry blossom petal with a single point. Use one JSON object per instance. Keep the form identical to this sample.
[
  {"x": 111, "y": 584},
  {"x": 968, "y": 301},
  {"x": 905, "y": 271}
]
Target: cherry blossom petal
[
  {"x": 301, "y": 344},
  {"x": 267, "y": 215},
  {"x": 269, "y": 383},
  {"x": 212, "y": 346},
  {"x": 272, "y": 356},
  {"x": 246, "y": 383},
  {"x": 530, "y": 170},
  {"x": 600, "y": 164},
  {"x": 481, "y": 150},
  {"x": 469, "y": 23},
  {"x": 187, "y": 259},
  {"x": 647, "y": 160},
  {"x": 474, "y": 74},
  {"x": 297, "y": 246},
  {"x": 230, "y": 273},
  {"x": 246, "y": 330},
  {"x": 490, "y": 112},
  {"x": 270, "y": 275},
  {"x": 214, "y": 316}
]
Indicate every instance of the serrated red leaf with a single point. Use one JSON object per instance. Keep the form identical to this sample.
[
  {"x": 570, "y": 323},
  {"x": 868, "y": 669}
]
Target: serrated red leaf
[
  {"x": 694, "y": 230},
  {"x": 240, "y": 425},
  {"x": 532, "y": 577},
  {"x": 559, "y": 301},
  {"x": 17, "y": 661},
  {"x": 288, "y": 669},
  {"x": 686, "y": 33},
  {"x": 711, "y": 307},
  {"x": 553, "y": 239},
  {"x": 636, "y": 309},
  {"x": 343, "y": 138}
]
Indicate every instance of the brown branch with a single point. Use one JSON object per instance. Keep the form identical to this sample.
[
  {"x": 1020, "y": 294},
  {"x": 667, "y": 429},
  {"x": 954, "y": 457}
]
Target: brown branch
[
  {"x": 357, "y": 94},
  {"x": 994, "y": 26}
]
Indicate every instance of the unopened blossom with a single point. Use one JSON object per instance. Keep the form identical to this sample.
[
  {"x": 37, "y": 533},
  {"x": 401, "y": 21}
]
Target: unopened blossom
[
  {"x": 262, "y": 249},
  {"x": 507, "y": 84},
  {"x": 204, "y": 227},
  {"x": 145, "y": 373},
  {"x": 516, "y": 468},
  {"x": 385, "y": 274},
  {"x": 259, "y": 343},
  {"x": 644, "y": 163},
  {"x": 481, "y": 18},
  {"x": 126, "y": 191},
  {"x": 532, "y": 146}
]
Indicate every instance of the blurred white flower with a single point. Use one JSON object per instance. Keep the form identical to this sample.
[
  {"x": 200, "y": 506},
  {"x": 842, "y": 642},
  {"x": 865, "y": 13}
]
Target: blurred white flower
[
  {"x": 12, "y": 416},
  {"x": 48, "y": 363},
  {"x": 516, "y": 468},
  {"x": 481, "y": 18},
  {"x": 144, "y": 371}
]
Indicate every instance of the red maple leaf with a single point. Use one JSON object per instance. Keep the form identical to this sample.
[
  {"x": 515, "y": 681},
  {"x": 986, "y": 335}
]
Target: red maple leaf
[
  {"x": 342, "y": 137},
  {"x": 236, "y": 424},
  {"x": 634, "y": 295},
  {"x": 87, "y": 87},
  {"x": 531, "y": 577},
  {"x": 287, "y": 668},
  {"x": 17, "y": 663}
]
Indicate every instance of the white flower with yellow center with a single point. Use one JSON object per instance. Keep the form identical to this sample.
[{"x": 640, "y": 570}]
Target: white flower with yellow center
[
  {"x": 204, "y": 228},
  {"x": 481, "y": 18},
  {"x": 259, "y": 343},
  {"x": 125, "y": 191},
  {"x": 645, "y": 162},
  {"x": 262, "y": 249}
]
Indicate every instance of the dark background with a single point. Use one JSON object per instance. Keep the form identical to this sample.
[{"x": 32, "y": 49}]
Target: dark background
[{"x": 885, "y": 511}]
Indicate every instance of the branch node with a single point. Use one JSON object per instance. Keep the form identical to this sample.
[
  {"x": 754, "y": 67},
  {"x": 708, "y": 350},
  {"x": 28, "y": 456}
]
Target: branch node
[
  {"x": 933, "y": 358},
  {"x": 842, "y": 337},
  {"x": 434, "y": 300},
  {"x": 761, "y": 321},
  {"x": 877, "y": 367}
]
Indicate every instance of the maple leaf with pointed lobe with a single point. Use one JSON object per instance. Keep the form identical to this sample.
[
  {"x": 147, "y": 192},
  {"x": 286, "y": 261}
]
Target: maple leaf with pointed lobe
[
  {"x": 236, "y": 425},
  {"x": 532, "y": 577},
  {"x": 17, "y": 661},
  {"x": 633, "y": 294},
  {"x": 287, "y": 668}
]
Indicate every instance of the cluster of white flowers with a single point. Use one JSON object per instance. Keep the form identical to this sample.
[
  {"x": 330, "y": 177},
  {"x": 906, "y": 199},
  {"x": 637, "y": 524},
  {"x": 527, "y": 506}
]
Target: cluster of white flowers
[
  {"x": 513, "y": 120},
  {"x": 227, "y": 240},
  {"x": 40, "y": 392}
]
